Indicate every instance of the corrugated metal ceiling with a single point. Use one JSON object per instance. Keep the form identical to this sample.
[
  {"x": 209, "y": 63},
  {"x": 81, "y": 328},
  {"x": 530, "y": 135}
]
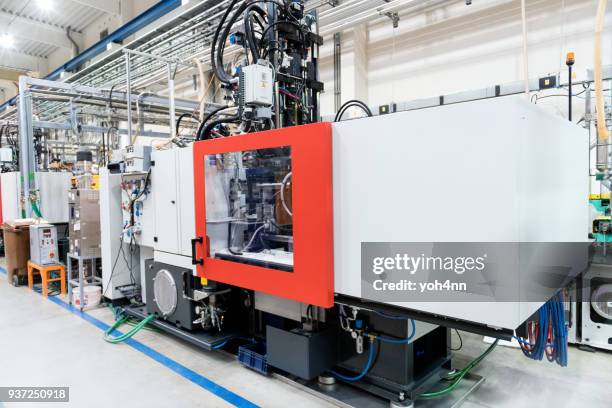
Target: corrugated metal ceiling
[{"x": 61, "y": 15}]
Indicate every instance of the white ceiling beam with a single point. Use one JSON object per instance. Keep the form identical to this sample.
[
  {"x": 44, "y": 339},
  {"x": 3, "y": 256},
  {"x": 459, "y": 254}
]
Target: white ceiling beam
[
  {"x": 107, "y": 6},
  {"x": 24, "y": 19},
  {"x": 32, "y": 31},
  {"x": 14, "y": 59}
]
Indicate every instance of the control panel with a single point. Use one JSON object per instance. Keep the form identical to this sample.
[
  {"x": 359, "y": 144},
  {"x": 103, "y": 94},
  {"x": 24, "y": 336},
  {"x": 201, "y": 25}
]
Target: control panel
[{"x": 43, "y": 244}]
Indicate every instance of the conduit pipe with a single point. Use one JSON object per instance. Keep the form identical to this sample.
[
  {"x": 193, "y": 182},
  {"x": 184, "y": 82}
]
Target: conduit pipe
[{"x": 602, "y": 129}]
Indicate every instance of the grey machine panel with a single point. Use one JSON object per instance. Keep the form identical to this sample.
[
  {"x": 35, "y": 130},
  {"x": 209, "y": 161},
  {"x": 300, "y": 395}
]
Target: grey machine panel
[
  {"x": 481, "y": 171},
  {"x": 166, "y": 288},
  {"x": 84, "y": 222}
]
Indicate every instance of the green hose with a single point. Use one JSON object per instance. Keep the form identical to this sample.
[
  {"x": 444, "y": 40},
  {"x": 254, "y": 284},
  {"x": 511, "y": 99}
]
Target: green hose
[
  {"x": 36, "y": 210},
  {"x": 130, "y": 321},
  {"x": 128, "y": 334},
  {"x": 456, "y": 377}
]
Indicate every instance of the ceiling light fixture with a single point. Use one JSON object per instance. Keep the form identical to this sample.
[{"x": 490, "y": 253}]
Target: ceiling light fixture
[
  {"x": 7, "y": 41},
  {"x": 45, "y": 5}
]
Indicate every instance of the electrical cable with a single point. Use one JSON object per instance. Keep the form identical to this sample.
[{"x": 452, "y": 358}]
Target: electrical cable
[
  {"x": 180, "y": 118},
  {"x": 458, "y": 376},
  {"x": 460, "y": 341}
]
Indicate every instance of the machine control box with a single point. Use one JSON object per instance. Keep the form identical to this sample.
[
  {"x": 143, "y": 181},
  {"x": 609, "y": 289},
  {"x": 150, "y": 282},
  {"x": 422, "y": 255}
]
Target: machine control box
[
  {"x": 256, "y": 82},
  {"x": 43, "y": 244}
]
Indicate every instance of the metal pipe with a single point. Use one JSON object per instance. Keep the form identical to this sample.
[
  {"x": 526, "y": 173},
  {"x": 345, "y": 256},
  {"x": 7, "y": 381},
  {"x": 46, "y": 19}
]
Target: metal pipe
[
  {"x": 570, "y": 96},
  {"x": 139, "y": 113},
  {"x": 26, "y": 156},
  {"x": 159, "y": 58},
  {"x": 129, "y": 97},
  {"x": 171, "y": 98}
]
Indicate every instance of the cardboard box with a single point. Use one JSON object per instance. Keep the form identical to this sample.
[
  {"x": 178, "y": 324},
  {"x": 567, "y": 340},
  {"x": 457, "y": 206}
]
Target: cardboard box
[{"x": 17, "y": 247}]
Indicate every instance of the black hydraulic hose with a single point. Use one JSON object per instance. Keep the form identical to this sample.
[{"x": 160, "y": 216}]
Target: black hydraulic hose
[
  {"x": 223, "y": 40},
  {"x": 249, "y": 30},
  {"x": 221, "y": 74},
  {"x": 110, "y": 97},
  {"x": 354, "y": 103},
  {"x": 206, "y": 119},
  {"x": 350, "y": 104},
  {"x": 211, "y": 125},
  {"x": 180, "y": 118},
  {"x": 218, "y": 44}
]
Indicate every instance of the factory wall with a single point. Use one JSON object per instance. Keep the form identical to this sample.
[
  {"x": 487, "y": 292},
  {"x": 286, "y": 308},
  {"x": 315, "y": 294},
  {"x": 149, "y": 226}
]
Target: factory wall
[{"x": 461, "y": 47}]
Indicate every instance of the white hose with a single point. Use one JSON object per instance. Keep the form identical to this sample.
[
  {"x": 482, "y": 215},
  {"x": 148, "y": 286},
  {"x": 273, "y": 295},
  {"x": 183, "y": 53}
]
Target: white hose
[
  {"x": 253, "y": 237},
  {"x": 282, "y": 193},
  {"x": 203, "y": 87},
  {"x": 602, "y": 130}
]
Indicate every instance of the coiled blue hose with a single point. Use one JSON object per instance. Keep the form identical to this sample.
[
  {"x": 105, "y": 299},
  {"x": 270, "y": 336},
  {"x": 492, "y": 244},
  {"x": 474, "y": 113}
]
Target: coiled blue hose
[{"x": 552, "y": 313}]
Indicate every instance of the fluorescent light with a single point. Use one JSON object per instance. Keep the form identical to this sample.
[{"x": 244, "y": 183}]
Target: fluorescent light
[
  {"x": 7, "y": 41},
  {"x": 45, "y": 5}
]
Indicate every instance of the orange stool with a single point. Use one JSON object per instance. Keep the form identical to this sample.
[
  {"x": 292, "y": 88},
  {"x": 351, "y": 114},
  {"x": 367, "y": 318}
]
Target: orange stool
[{"x": 45, "y": 276}]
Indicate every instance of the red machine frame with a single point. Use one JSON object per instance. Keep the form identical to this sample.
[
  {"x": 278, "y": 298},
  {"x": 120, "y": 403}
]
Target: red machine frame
[{"x": 312, "y": 279}]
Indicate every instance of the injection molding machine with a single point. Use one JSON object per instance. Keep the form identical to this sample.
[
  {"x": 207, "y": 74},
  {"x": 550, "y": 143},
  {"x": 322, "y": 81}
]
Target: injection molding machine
[{"x": 287, "y": 218}]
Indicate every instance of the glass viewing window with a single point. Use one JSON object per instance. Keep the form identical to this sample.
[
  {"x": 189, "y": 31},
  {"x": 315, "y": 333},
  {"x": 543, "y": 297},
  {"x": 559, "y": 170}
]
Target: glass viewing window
[{"x": 249, "y": 217}]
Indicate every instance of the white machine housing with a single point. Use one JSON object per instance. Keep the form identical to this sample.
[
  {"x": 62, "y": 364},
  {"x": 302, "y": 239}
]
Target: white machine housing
[
  {"x": 596, "y": 333},
  {"x": 495, "y": 170},
  {"x": 52, "y": 195},
  {"x": 174, "y": 221}
]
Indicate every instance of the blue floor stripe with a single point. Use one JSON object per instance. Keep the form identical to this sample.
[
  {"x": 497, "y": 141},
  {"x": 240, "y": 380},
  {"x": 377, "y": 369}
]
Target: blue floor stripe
[{"x": 178, "y": 368}]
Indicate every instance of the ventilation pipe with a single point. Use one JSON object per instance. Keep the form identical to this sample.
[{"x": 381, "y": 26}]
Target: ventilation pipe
[{"x": 603, "y": 136}]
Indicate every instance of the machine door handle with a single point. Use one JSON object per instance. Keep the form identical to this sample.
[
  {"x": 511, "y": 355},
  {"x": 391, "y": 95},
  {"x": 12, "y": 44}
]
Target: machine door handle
[{"x": 194, "y": 261}]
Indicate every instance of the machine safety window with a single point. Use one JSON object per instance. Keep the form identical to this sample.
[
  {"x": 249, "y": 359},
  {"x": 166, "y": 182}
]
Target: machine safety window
[{"x": 249, "y": 216}]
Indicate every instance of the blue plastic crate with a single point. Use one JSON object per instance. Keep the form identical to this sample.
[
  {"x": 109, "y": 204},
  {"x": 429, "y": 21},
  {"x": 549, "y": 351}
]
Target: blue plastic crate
[{"x": 254, "y": 357}]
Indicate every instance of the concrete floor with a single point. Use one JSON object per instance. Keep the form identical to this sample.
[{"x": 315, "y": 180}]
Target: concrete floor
[{"x": 42, "y": 343}]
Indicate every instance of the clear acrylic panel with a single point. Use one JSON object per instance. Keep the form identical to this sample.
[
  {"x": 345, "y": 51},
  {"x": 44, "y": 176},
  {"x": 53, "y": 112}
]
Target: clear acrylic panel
[{"x": 249, "y": 217}]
